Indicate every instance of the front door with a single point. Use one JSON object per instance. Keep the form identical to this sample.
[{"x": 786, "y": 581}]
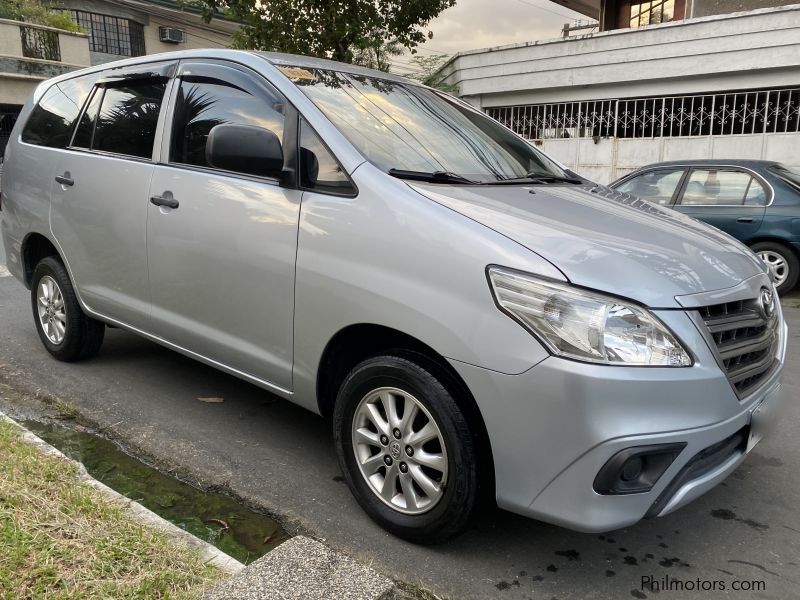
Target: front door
[
  {"x": 222, "y": 244},
  {"x": 99, "y": 199},
  {"x": 729, "y": 199}
]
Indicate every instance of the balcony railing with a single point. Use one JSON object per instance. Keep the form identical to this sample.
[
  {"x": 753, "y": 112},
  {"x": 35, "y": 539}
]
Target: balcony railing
[{"x": 40, "y": 43}]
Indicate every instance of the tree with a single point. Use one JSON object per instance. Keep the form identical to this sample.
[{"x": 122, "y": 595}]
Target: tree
[
  {"x": 377, "y": 55},
  {"x": 39, "y": 12},
  {"x": 336, "y": 29},
  {"x": 428, "y": 72}
]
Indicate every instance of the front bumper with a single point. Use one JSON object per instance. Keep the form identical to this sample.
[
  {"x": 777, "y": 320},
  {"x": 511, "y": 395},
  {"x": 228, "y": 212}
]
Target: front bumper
[{"x": 554, "y": 427}]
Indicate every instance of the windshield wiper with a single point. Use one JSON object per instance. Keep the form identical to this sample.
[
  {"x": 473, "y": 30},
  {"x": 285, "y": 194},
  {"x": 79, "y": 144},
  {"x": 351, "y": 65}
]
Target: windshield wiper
[
  {"x": 537, "y": 177},
  {"x": 432, "y": 176}
]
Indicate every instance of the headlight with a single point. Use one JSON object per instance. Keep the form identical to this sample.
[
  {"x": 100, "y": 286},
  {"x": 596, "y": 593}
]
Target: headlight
[{"x": 584, "y": 325}]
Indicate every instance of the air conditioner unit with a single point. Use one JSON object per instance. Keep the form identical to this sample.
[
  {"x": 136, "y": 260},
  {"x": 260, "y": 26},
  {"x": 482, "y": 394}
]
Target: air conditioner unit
[{"x": 171, "y": 35}]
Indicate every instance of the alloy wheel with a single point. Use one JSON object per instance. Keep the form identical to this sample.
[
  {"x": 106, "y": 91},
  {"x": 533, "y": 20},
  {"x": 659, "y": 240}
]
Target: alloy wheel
[
  {"x": 400, "y": 450},
  {"x": 51, "y": 310},
  {"x": 777, "y": 265}
]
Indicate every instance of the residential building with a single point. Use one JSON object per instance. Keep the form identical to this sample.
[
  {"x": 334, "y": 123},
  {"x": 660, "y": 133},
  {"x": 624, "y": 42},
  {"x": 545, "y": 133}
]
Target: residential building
[
  {"x": 673, "y": 79},
  {"x": 114, "y": 29}
]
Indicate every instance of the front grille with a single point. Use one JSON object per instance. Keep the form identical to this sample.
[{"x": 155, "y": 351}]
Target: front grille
[{"x": 746, "y": 341}]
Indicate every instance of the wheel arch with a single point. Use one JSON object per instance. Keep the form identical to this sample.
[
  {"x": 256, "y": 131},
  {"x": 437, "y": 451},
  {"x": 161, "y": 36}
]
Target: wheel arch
[
  {"x": 354, "y": 343},
  {"x": 36, "y": 246}
]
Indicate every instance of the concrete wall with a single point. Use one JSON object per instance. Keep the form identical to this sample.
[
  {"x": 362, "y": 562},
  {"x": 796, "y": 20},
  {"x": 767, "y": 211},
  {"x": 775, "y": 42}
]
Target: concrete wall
[
  {"x": 19, "y": 75},
  {"x": 611, "y": 158},
  {"x": 739, "y": 51},
  {"x": 704, "y": 8}
]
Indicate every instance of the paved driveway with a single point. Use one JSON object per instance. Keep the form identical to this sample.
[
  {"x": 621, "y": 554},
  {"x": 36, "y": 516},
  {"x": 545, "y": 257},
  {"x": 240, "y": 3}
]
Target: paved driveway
[{"x": 280, "y": 457}]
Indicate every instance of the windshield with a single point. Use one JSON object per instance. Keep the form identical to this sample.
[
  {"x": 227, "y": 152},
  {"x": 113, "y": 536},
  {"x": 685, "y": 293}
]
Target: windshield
[{"x": 407, "y": 128}]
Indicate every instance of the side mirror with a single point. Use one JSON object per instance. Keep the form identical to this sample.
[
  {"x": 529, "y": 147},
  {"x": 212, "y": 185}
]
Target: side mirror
[{"x": 245, "y": 149}]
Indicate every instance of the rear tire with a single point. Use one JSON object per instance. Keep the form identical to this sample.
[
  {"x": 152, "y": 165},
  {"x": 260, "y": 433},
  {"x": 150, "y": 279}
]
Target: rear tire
[
  {"x": 66, "y": 331},
  {"x": 422, "y": 491},
  {"x": 783, "y": 264}
]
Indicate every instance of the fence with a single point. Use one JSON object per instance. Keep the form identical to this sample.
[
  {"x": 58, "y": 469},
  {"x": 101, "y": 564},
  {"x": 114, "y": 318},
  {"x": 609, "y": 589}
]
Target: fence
[
  {"x": 40, "y": 43},
  {"x": 733, "y": 113}
]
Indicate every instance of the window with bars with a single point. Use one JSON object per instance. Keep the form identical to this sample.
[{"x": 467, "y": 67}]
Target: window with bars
[
  {"x": 652, "y": 12},
  {"x": 734, "y": 113},
  {"x": 111, "y": 35}
]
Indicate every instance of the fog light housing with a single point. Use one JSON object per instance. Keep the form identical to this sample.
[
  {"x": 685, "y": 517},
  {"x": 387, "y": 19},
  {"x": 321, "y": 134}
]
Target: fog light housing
[{"x": 636, "y": 470}]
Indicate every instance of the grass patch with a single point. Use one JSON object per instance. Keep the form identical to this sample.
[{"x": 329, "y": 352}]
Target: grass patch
[{"x": 60, "y": 538}]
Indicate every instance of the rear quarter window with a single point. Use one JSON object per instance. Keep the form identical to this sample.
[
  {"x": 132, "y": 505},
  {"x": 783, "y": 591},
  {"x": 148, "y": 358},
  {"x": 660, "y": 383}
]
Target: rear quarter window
[{"x": 53, "y": 118}]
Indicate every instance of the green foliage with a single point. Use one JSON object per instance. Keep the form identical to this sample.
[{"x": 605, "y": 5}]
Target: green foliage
[
  {"x": 39, "y": 12},
  {"x": 428, "y": 72},
  {"x": 378, "y": 55},
  {"x": 337, "y": 29}
]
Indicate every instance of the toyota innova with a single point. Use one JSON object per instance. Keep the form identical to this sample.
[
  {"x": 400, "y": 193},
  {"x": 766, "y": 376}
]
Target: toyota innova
[{"x": 478, "y": 323}]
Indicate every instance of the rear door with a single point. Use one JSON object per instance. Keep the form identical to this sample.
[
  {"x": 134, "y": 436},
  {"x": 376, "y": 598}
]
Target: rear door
[
  {"x": 99, "y": 199},
  {"x": 222, "y": 258},
  {"x": 728, "y": 198}
]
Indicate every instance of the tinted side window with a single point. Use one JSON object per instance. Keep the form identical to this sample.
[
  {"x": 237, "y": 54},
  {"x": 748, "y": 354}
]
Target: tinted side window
[
  {"x": 319, "y": 170},
  {"x": 204, "y": 102},
  {"x": 85, "y": 130},
  {"x": 52, "y": 119},
  {"x": 656, "y": 186},
  {"x": 716, "y": 187},
  {"x": 128, "y": 117}
]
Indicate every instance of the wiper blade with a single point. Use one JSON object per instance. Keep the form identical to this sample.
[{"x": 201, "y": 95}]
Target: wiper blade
[
  {"x": 536, "y": 177},
  {"x": 430, "y": 176}
]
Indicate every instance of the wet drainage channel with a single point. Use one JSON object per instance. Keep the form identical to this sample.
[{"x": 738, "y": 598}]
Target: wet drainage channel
[{"x": 216, "y": 518}]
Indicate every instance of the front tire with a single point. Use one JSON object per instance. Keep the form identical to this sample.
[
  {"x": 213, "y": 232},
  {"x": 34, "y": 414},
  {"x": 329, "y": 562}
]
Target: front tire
[
  {"x": 65, "y": 330},
  {"x": 406, "y": 448},
  {"x": 782, "y": 262}
]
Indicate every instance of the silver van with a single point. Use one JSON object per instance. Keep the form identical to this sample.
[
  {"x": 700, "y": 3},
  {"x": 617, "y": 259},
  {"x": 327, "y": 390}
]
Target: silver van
[{"x": 479, "y": 324}]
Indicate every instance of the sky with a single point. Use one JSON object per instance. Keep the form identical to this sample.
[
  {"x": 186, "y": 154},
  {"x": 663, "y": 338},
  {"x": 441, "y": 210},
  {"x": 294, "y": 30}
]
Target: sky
[{"x": 472, "y": 24}]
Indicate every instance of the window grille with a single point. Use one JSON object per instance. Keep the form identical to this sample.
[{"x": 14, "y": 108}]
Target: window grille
[
  {"x": 652, "y": 12},
  {"x": 111, "y": 35},
  {"x": 734, "y": 113},
  {"x": 40, "y": 43}
]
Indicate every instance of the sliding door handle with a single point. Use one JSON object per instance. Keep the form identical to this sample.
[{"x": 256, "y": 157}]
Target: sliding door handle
[
  {"x": 65, "y": 179},
  {"x": 165, "y": 200},
  {"x": 744, "y": 220}
]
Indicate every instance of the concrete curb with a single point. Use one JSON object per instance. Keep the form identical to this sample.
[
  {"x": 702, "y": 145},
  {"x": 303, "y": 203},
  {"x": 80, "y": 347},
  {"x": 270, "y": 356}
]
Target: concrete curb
[
  {"x": 209, "y": 553},
  {"x": 304, "y": 569},
  {"x": 299, "y": 569}
]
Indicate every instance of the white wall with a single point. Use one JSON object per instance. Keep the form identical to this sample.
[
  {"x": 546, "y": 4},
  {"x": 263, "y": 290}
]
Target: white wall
[
  {"x": 611, "y": 158},
  {"x": 737, "y": 51}
]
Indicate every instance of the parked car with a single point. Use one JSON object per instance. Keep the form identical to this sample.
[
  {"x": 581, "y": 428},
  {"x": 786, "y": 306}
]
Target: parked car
[
  {"x": 755, "y": 201},
  {"x": 476, "y": 324}
]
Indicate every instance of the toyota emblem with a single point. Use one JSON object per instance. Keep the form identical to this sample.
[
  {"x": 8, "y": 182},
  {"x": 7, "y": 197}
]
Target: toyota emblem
[{"x": 767, "y": 304}]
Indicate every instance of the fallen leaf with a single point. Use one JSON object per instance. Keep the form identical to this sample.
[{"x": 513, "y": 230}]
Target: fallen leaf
[
  {"x": 212, "y": 400},
  {"x": 219, "y": 522}
]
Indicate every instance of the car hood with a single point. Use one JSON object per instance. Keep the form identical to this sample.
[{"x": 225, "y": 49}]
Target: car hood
[{"x": 607, "y": 240}]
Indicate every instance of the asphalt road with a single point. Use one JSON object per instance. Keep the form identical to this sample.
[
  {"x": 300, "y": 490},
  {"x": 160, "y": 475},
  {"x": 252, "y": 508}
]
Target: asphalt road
[{"x": 281, "y": 458}]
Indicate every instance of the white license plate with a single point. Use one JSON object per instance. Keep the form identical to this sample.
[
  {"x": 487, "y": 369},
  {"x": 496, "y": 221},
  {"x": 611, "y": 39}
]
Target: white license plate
[{"x": 763, "y": 416}]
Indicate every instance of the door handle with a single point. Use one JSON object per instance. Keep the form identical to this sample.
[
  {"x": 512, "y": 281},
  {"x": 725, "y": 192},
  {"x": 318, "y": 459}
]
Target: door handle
[
  {"x": 744, "y": 220},
  {"x": 165, "y": 200},
  {"x": 65, "y": 179}
]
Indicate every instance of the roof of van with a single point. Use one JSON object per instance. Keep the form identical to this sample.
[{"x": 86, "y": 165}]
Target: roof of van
[{"x": 280, "y": 59}]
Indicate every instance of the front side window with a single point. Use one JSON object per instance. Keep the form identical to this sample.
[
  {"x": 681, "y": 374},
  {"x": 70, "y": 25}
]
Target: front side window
[
  {"x": 53, "y": 118},
  {"x": 204, "y": 102},
  {"x": 126, "y": 123},
  {"x": 406, "y": 127},
  {"x": 656, "y": 186},
  {"x": 708, "y": 187},
  {"x": 319, "y": 170}
]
